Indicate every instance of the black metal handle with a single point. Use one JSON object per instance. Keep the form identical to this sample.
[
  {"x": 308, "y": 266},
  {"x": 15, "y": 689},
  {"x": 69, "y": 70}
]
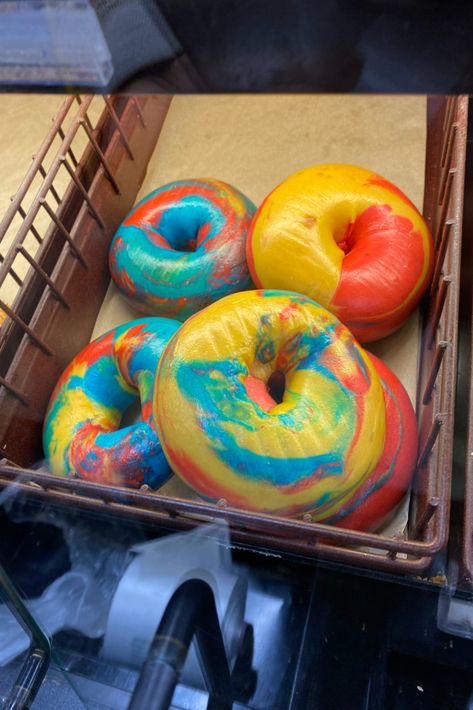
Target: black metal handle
[
  {"x": 190, "y": 611},
  {"x": 36, "y": 664}
]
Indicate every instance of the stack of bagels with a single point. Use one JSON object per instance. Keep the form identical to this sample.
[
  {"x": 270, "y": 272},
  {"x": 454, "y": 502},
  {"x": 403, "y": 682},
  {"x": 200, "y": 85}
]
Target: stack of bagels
[{"x": 248, "y": 360}]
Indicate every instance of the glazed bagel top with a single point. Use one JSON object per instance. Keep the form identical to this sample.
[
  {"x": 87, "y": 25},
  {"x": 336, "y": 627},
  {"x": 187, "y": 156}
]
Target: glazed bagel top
[
  {"x": 226, "y": 436},
  {"x": 347, "y": 238},
  {"x": 182, "y": 247}
]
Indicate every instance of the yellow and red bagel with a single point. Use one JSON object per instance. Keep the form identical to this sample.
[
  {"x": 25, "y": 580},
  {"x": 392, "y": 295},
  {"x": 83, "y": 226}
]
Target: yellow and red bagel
[
  {"x": 347, "y": 238},
  {"x": 227, "y": 437}
]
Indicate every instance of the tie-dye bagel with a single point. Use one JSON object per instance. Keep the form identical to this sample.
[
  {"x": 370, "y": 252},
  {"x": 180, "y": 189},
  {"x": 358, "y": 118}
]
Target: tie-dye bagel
[
  {"x": 347, "y": 238},
  {"x": 226, "y": 436},
  {"x": 82, "y": 433},
  {"x": 183, "y": 247},
  {"x": 375, "y": 501}
]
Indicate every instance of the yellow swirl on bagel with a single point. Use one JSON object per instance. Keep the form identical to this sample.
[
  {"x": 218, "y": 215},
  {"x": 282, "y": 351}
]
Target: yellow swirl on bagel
[
  {"x": 226, "y": 436},
  {"x": 347, "y": 238}
]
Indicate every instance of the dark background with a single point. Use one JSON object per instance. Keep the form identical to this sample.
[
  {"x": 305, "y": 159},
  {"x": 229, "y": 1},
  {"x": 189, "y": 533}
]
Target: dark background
[{"x": 290, "y": 45}]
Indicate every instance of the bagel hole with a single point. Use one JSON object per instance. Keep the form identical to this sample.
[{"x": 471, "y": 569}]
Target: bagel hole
[
  {"x": 276, "y": 385},
  {"x": 345, "y": 239},
  {"x": 131, "y": 415},
  {"x": 190, "y": 245},
  {"x": 267, "y": 393}
]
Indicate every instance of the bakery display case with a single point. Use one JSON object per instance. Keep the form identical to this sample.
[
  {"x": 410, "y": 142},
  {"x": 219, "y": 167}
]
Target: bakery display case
[
  {"x": 47, "y": 321},
  {"x": 98, "y": 156}
]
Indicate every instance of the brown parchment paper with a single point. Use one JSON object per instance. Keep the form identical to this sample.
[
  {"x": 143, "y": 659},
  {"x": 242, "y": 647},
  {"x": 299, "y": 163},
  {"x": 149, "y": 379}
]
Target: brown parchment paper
[
  {"x": 24, "y": 122},
  {"x": 254, "y": 142}
]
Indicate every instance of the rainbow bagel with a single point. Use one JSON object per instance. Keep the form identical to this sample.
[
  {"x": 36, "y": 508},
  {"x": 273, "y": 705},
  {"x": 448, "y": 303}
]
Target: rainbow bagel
[
  {"x": 347, "y": 238},
  {"x": 82, "y": 434},
  {"x": 226, "y": 437},
  {"x": 376, "y": 499},
  {"x": 183, "y": 247}
]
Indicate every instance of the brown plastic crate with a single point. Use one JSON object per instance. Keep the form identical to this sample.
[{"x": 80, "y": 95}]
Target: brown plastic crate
[
  {"x": 59, "y": 298},
  {"x": 462, "y": 550}
]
